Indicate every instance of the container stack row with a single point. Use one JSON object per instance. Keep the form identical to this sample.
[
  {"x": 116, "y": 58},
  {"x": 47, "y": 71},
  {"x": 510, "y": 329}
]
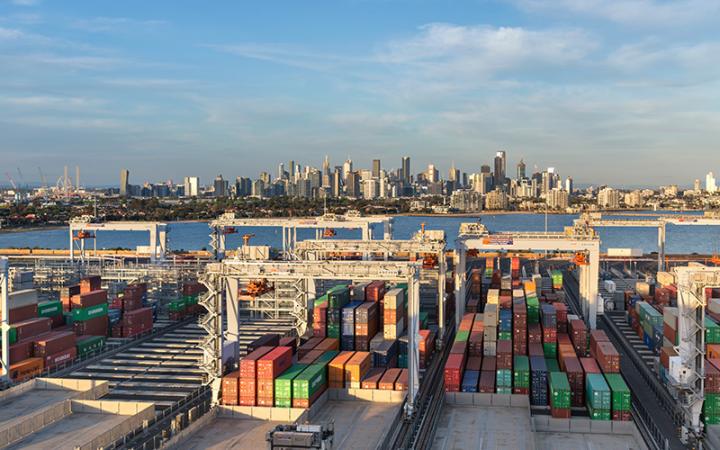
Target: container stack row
[
  {"x": 187, "y": 304},
  {"x": 525, "y": 342}
]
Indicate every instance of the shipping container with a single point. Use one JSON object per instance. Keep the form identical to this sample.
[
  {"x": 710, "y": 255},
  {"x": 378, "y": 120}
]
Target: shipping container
[
  {"x": 387, "y": 382},
  {"x": 284, "y": 385},
  {"x": 372, "y": 378}
]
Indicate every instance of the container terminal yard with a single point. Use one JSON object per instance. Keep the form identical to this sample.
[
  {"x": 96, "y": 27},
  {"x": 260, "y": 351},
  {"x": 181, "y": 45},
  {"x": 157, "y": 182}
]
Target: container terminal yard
[{"x": 506, "y": 340}]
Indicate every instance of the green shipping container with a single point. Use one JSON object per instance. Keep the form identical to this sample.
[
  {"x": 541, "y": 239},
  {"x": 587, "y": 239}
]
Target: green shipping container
[
  {"x": 310, "y": 381},
  {"x": 504, "y": 390},
  {"x": 91, "y": 312},
  {"x": 89, "y": 345},
  {"x": 326, "y": 357},
  {"x": 533, "y": 309},
  {"x": 12, "y": 336},
  {"x": 462, "y": 336},
  {"x": 619, "y": 391},
  {"x": 559, "y": 390},
  {"x": 598, "y": 414},
  {"x": 177, "y": 305},
  {"x": 597, "y": 392},
  {"x": 68, "y": 318},
  {"x": 521, "y": 378},
  {"x": 711, "y": 406},
  {"x": 423, "y": 320},
  {"x": 552, "y": 365},
  {"x": 283, "y": 385},
  {"x": 503, "y": 378},
  {"x": 550, "y": 350},
  {"x": 504, "y": 335},
  {"x": 333, "y": 330},
  {"x": 712, "y": 331},
  {"x": 50, "y": 309},
  {"x": 712, "y": 420},
  {"x": 338, "y": 297},
  {"x": 190, "y": 299}
]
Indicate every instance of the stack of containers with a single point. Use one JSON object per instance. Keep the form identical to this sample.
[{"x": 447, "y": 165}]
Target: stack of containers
[
  {"x": 366, "y": 325},
  {"x": 375, "y": 292},
  {"x": 269, "y": 367},
  {"x": 505, "y": 327},
  {"x": 557, "y": 279},
  {"x": 598, "y": 396},
  {"x": 248, "y": 376},
  {"x": 89, "y": 312},
  {"x": 230, "y": 392},
  {"x": 284, "y": 384},
  {"x": 394, "y": 305},
  {"x": 454, "y": 369},
  {"x": 308, "y": 346},
  {"x": 504, "y": 372},
  {"x": 520, "y": 335},
  {"x": 55, "y": 348},
  {"x": 620, "y": 396},
  {"x": 488, "y": 375},
  {"x": 312, "y": 381},
  {"x": 475, "y": 340},
  {"x": 538, "y": 381},
  {"x": 53, "y": 310},
  {"x": 521, "y": 375},
  {"x": 338, "y": 298},
  {"x": 347, "y": 340},
  {"x": 137, "y": 322},
  {"x": 578, "y": 335},
  {"x": 670, "y": 327},
  {"x": 320, "y": 317},
  {"x": 356, "y": 369},
  {"x": 549, "y": 330},
  {"x": 384, "y": 351},
  {"x": 515, "y": 267},
  {"x": 66, "y": 293},
  {"x": 427, "y": 344},
  {"x": 490, "y": 323},
  {"x": 560, "y": 394},
  {"x": 711, "y": 406},
  {"x": 191, "y": 293},
  {"x": 336, "y": 370},
  {"x": 651, "y": 325},
  {"x": 87, "y": 345}
]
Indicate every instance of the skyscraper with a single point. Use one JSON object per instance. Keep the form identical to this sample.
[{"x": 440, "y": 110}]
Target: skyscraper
[
  {"x": 432, "y": 174},
  {"x": 281, "y": 171},
  {"x": 124, "y": 182},
  {"x": 454, "y": 175},
  {"x": 376, "y": 168},
  {"x": 710, "y": 185},
  {"x": 191, "y": 185},
  {"x": 405, "y": 170},
  {"x": 219, "y": 185},
  {"x": 499, "y": 173},
  {"x": 352, "y": 185},
  {"x": 521, "y": 170},
  {"x": 347, "y": 168},
  {"x": 326, "y": 166},
  {"x": 291, "y": 169}
]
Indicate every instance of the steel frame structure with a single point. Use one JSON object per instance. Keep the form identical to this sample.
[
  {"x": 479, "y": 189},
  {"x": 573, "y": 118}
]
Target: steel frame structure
[
  {"x": 689, "y": 388},
  {"x": 422, "y": 243},
  {"x": 475, "y": 236},
  {"x": 595, "y": 220},
  {"x": 289, "y": 226},
  {"x": 222, "y": 280},
  {"x": 157, "y": 230}
]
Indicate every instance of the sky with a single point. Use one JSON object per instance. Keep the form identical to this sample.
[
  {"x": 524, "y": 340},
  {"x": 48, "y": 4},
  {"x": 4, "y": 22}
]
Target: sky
[{"x": 618, "y": 92}]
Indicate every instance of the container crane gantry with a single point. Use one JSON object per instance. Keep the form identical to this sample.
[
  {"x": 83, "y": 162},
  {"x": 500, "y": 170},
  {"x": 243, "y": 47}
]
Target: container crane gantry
[{"x": 82, "y": 229}]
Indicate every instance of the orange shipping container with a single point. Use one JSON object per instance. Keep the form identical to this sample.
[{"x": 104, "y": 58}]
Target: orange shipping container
[
  {"x": 328, "y": 344},
  {"x": 401, "y": 383},
  {"x": 336, "y": 370},
  {"x": 357, "y": 367},
  {"x": 712, "y": 351},
  {"x": 26, "y": 369}
]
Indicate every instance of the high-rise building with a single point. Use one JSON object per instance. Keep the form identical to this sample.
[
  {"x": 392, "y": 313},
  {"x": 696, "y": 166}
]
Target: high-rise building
[
  {"x": 466, "y": 200},
  {"x": 376, "y": 168},
  {"x": 496, "y": 199},
  {"x": 696, "y": 185},
  {"x": 634, "y": 199},
  {"x": 124, "y": 182},
  {"x": 454, "y": 175},
  {"x": 557, "y": 198},
  {"x": 291, "y": 169},
  {"x": 608, "y": 198},
  {"x": 432, "y": 174},
  {"x": 326, "y": 166},
  {"x": 352, "y": 185},
  {"x": 499, "y": 173},
  {"x": 569, "y": 185},
  {"x": 336, "y": 185},
  {"x": 521, "y": 170},
  {"x": 710, "y": 185},
  {"x": 191, "y": 186},
  {"x": 405, "y": 170},
  {"x": 347, "y": 168},
  {"x": 219, "y": 187}
]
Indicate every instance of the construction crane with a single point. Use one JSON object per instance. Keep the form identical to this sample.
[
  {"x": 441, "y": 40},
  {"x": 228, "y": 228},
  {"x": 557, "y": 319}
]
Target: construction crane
[{"x": 246, "y": 238}]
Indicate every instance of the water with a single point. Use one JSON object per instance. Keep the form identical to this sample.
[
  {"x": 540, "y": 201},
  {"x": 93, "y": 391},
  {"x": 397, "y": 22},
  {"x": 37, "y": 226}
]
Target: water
[{"x": 195, "y": 235}]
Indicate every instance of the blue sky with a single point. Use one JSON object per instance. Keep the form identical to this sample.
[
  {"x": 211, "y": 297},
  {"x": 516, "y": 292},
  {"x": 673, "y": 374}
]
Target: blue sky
[{"x": 624, "y": 92}]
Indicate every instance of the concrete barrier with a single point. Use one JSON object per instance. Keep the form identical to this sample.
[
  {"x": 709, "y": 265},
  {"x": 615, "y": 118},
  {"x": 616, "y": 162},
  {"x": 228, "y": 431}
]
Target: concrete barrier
[
  {"x": 583, "y": 425},
  {"x": 369, "y": 395}
]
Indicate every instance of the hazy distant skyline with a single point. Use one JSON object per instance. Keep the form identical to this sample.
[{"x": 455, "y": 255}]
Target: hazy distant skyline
[{"x": 620, "y": 92}]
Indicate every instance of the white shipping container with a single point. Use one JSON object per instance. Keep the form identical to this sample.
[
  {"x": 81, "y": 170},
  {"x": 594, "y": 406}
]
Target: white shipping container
[
  {"x": 609, "y": 286},
  {"x": 17, "y": 299},
  {"x": 394, "y": 299},
  {"x": 665, "y": 278},
  {"x": 490, "y": 317},
  {"x": 670, "y": 316},
  {"x": 393, "y": 331},
  {"x": 490, "y": 348},
  {"x": 626, "y": 252},
  {"x": 490, "y": 334},
  {"x": 714, "y": 305}
]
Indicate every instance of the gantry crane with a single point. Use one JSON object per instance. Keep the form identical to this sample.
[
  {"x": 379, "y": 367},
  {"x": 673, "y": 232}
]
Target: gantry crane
[{"x": 83, "y": 228}]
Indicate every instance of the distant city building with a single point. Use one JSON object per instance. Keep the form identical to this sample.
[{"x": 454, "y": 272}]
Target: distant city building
[
  {"x": 496, "y": 199},
  {"x": 710, "y": 185},
  {"x": 432, "y": 174},
  {"x": 124, "y": 182},
  {"x": 466, "y": 200},
  {"x": 500, "y": 165},
  {"x": 557, "y": 198},
  {"x": 521, "y": 170},
  {"x": 347, "y": 168},
  {"x": 191, "y": 186},
  {"x": 371, "y": 190},
  {"x": 352, "y": 185},
  {"x": 219, "y": 187},
  {"x": 569, "y": 185},
  {"x": 376, "y": 168},
  {"x": 405, "y": 169},
  {"x": 634, "y": 199},
  {"x": 608, "y": 198},
  {"x": 670, "y": 191},
  {"x": 696, "y": 185}
]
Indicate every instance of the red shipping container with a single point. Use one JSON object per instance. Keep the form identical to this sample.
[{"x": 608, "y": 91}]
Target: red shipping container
[
  {"x": 230, "y": 388},
  {"x": 576, "y": 378},
  {"x": 275, "y": 362},
  {"x": 453, "y": 372},
  {"x": 20, "y": 351},
  {"x": 489, "y": 364},
  {"x": 534, "y": 333},
  {"x": 487, "y": 382},
  {"x": 595, "y": 337},
  {"x": 459, "y": 347},
  {"x": 387, "y": 382},
  {"x": 142, "y": 316},
  {"x": 248, "y": 391},
  {"x": 504, "y": 354},
  {"x": 372, "y": 378},
  {"x": 375, "y": 291},
  {"x": 608, "y": 357},
  {"x": 401, "y": 384},
  {"x": 248, "y": 364},
  {"x": 289, "y": 341},
  {"x": 712, "y": 376},
  {"x": 589, "y": 365},
  {"x": 23, "y": 313},
  {"x": 579, "y": 337},
  {"x": 53, "y": 342},
  {"x": 560, "y": 413},
  {"x": 64, "y": 357},
  {"x": 621, "y": 415},
  {"x": 89, "y": 284},
  {"x": 97, "y": 326},
  {"x": 535, "y": 349},
  {"x": 474, "y": 363},
  {"x": 87, "y": 299},
  {"x": 521, "y": 391},
  {"x": 32, "y": 327},
  {"x": 132, "y": 303},
  {"x": 549, "y": 335},
  {"x": 311, "y": 356},
  {"x": 265, "y": 392}
]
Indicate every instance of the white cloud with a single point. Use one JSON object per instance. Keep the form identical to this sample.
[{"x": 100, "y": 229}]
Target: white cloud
[
  {"x": 40, "y": 101},
  {"x": 633, "y": 12},
  {"x": 10, "y": 34},
  {"x": 691, "y": 60},
  {"x": 106, "y": 24}
]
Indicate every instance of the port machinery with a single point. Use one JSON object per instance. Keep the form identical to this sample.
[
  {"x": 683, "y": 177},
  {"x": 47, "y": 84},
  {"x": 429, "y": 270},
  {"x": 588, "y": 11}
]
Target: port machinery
[
  {"x": 228, "y": 223},
  {"x": 583, "y": 243},
  {"x": 5, "y": 324},
  {"x": 223, "y": 280},
  {"x": 430, "y": 244},
  {"x": 83, "y": 228},
  {"x": 649, "y": 220}
]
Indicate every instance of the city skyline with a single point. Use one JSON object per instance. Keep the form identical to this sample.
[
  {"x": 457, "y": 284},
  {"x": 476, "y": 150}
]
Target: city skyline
[{"x": 613, "y": 91}]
